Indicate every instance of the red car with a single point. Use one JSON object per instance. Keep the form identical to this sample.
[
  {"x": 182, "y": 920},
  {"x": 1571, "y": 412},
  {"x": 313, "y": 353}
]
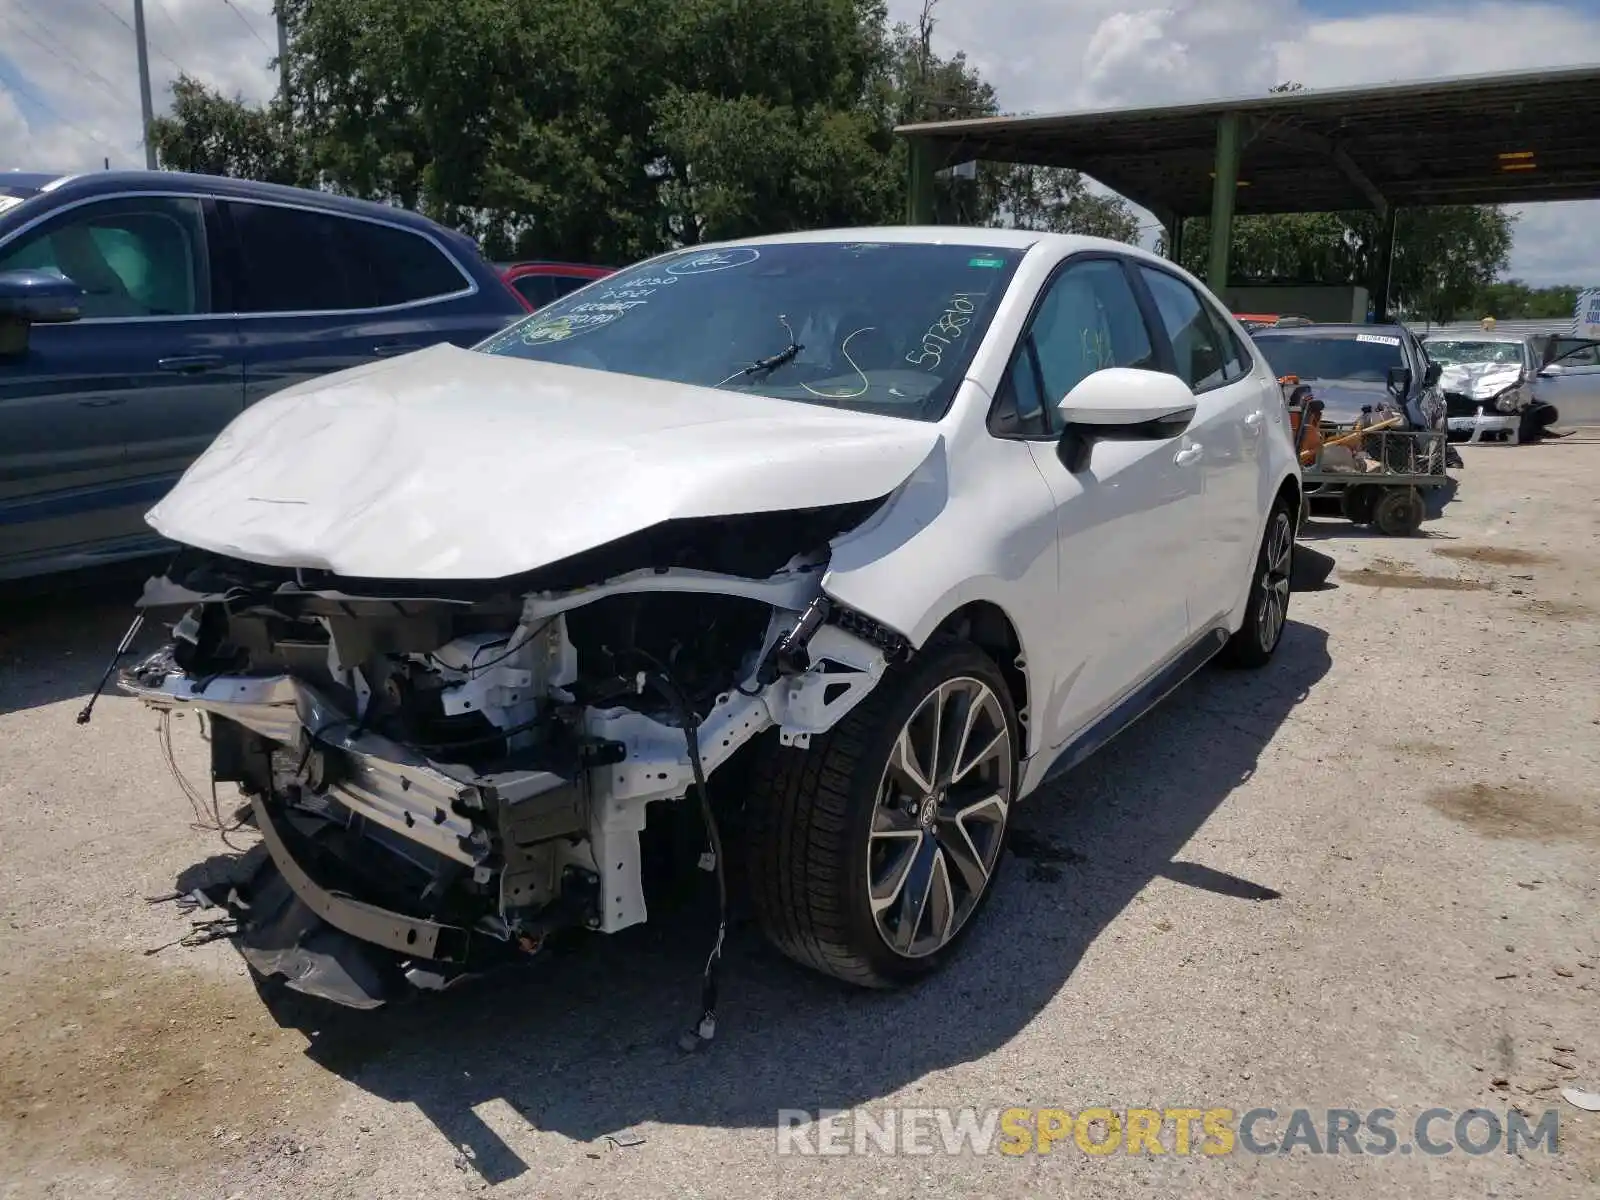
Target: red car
[{"x": 538, "y": 283}]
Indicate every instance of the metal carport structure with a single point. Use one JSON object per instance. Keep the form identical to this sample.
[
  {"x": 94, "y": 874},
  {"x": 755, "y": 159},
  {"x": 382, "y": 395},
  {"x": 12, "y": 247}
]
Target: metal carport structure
[{"x": 1482, "y": 139}]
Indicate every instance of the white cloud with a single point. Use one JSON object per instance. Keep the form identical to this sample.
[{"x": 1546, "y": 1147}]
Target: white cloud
[
  {"x": 69, "y": 82},
  {"x": 69, "y": 87},
  {"x": 1059, "y": 55}
]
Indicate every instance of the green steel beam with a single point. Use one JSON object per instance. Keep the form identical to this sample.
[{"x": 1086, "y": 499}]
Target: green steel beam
[
  {"x": 1224, "y": 184},
  {"x": 919, "y": 182},
  {"x": 1383, "y": 273}
]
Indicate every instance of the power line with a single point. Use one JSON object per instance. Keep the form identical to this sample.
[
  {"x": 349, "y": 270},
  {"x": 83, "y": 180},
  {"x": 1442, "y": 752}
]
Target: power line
[
  {"x": 116, "y": 16},
  {"x": 23, "y": 84},
  {"x": 183, "y": 39},
  {"x": 250, "y": 26},
  {"x": 72, "y": 63}
]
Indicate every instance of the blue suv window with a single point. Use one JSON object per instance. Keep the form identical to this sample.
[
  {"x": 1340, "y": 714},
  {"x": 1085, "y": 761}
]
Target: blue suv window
[
  {"x": 137, "y": 256},
  {"x": 298, "y": 260}
]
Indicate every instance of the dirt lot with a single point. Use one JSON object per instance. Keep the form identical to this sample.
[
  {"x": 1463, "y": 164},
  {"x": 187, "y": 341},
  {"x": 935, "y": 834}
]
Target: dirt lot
[{"x": 1367, "y": 877}]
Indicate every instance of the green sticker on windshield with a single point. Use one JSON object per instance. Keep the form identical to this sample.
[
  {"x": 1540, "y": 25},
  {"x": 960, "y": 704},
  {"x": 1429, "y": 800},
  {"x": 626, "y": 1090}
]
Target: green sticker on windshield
[{"x": 986, "y": 262}]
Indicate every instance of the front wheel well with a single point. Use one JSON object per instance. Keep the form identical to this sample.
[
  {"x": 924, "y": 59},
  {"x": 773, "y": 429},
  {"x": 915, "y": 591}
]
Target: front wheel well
[
  {"x": 986, "y": 626},
  {"x": 1289, "y": 495}
]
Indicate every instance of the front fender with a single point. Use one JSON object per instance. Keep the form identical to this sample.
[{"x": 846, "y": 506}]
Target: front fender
[{"x": 984, "y": 530}]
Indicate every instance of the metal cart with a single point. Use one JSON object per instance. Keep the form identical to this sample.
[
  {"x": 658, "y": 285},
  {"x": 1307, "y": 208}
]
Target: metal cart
[{"x": 1380, "y": 473}]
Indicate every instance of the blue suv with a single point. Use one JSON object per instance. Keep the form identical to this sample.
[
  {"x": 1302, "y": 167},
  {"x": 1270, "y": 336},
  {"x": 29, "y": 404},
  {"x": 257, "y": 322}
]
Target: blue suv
[{"x": 141, "y": 311}]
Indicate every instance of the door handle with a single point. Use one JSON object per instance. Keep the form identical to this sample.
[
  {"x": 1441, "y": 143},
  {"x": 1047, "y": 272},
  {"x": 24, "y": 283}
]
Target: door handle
[
  {"x": 190, "y": 364},
  {"x": 103, "y": 402},
  {"x": 1189, "y": 456},
  {"x": 390, "y": 349},
  {"x": 1253, "y": 422}
]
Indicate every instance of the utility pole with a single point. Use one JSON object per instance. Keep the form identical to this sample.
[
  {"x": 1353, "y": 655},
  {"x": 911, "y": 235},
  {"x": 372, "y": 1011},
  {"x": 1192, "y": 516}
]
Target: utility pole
[
  {"x": 146, "y": 110},
  {"x": 283, "y": 53}
]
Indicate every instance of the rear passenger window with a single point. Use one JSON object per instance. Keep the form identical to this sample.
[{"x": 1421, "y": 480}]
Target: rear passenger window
[
  {"x": 297, "y": 260},
  {"x": 537, "y": 290},
  {"x": 568, "y": 283},
  {"x": 1204, "y": 348},
  {"x": 394, "y": 266}
]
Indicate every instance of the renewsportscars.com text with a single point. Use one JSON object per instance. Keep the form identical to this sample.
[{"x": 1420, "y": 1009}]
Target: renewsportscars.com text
[{"x": 1185, "y": 1130}]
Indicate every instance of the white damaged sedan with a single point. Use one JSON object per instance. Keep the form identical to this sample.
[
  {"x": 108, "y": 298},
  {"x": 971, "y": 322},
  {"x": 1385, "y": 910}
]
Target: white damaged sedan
[{"x": 814, "y": 554}]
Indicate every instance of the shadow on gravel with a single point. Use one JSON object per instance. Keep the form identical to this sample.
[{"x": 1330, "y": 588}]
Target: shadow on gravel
[
  {"x": 58, "y": 634},
  {"x": 582, "y": 1041}
]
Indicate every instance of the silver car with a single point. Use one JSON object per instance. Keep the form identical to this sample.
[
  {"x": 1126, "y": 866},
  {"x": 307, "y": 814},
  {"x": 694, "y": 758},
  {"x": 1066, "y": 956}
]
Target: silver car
[
  {"x": 1489, "y": 381},
  {"x": 1571, "y": 382}
]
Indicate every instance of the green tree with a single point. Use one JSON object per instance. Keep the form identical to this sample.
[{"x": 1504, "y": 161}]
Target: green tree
[
  {"x": 612, "y": 129},
  {"x": 924, "y": 87},
  {"x": 1511, "y": 299},
  {"x": 209, "y": 134}
]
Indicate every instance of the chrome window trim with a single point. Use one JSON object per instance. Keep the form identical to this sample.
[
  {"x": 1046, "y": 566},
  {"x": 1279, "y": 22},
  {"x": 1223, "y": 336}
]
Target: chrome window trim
[{"x": 471, "y": 289}]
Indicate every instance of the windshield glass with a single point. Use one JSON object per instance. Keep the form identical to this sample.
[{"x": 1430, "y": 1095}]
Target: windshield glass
[
  {"x": 1359, "y": 356},
  {"x": 880, "y": 327},
  {"x": 1453, "y": 352}
]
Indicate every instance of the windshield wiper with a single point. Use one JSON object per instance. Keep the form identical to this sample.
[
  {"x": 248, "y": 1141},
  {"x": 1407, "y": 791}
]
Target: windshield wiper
[
  {"x": 770, "y": 365},
  {"x": 773, "y": 362}
]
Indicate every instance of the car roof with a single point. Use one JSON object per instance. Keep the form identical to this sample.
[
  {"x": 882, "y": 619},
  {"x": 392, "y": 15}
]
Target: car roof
[
  {"x": 97, "y": 183},
  {"x": 1328, "y": 331},
  {"x": 945, "y": 235},
  {"x": 26, "y": 182},
  {"x": 932, "y": 235},
  {"x": 1473, "y": 335}
]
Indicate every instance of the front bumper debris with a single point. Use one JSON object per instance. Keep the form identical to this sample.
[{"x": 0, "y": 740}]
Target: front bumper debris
[{"x": 441, "y": 784}]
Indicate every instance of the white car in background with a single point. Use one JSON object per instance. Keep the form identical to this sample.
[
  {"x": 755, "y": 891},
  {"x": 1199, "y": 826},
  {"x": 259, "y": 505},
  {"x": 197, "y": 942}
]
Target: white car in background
[
  {"x": 853, "y": 539},
  {"x": 1488, "y": 380}
]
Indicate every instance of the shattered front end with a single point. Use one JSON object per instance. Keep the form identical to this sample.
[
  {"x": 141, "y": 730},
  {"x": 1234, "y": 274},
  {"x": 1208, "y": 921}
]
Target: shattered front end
[{"x": 445, "y": 773}]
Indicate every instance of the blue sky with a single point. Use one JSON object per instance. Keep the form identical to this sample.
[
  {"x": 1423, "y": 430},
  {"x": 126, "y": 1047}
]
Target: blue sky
[{"x": 69, "y": 95}]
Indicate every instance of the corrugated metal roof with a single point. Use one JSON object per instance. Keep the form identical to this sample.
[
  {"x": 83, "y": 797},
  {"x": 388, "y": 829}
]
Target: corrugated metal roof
[{"x": 1440, "y": 141}]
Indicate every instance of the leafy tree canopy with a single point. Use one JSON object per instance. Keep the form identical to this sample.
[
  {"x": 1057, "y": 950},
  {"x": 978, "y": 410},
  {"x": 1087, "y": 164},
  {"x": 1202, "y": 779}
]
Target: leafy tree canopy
[{"x": 612, "y": 129}]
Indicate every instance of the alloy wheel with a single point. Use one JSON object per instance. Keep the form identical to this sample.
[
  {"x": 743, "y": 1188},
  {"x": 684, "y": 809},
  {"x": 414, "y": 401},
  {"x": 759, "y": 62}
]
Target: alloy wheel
[
  {"x": 1275, "y": 581},
  {"x": 940, "y": 816}
]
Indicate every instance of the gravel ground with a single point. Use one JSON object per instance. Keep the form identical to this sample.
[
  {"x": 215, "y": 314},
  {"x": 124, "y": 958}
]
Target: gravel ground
[{"x": 1365, "y": 877}]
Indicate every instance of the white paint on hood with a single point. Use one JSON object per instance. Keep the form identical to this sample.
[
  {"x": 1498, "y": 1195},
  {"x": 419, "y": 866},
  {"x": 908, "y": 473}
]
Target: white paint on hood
[{"x": 453, "y": 464}]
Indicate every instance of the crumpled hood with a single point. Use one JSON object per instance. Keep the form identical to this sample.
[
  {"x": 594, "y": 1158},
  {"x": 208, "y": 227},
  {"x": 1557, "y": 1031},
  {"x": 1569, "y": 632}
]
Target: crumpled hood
[
  {"x": 453, "y": 464},
  {"x": 1479, "y": 381}
]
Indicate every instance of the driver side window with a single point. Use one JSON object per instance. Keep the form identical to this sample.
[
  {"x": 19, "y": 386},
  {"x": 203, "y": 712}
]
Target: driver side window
[
  {"x": 1087, "y": 320},
  {"x": 137, "y": 256}
]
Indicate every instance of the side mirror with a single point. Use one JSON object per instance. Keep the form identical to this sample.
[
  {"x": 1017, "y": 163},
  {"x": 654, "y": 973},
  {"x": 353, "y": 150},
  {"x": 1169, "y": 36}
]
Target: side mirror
[
  {"x": 1550, "y": 371},
  {"x": 1399, "y": 381},
  {"x": 1431, "y": 376},
  {"x": 30, "y": 298},
  {"x": 1121, "y": 403},
  {"x": 38, "y": 297}
]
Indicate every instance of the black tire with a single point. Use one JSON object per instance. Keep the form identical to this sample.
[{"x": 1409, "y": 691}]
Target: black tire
[
  {"x": 1399, "y": 512},
  {"x": 811, "y": 816},
  {"x": 1358, "y": 502},
  {"x": 1267, "y": 611}
]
